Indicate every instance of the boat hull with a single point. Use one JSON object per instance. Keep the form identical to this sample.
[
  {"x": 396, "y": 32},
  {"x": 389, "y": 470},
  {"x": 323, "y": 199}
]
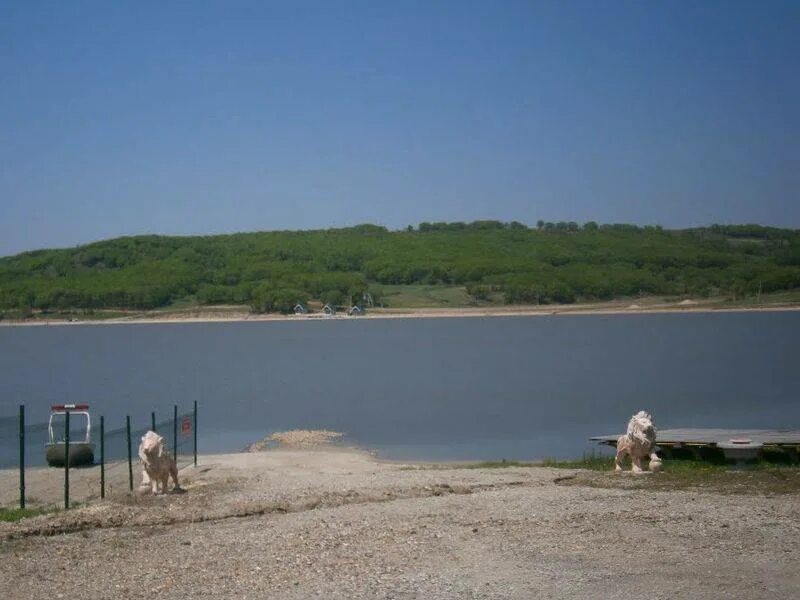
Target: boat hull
[{"x": 80, "y": 453}]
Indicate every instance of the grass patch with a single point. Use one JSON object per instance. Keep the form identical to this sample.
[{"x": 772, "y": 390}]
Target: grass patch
[
  {"x": 424, "y": 296},
  {"x": 771, "y": 475},
  {"x": 713, "y": 463},
  {"x": 592, "y": 462},
  {"x": 11, "y": 515},
  {"x": 762, "y": 477}
]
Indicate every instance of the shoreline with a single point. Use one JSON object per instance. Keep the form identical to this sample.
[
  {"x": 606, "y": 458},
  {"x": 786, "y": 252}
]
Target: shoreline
[{"x": 210, "y": 316}]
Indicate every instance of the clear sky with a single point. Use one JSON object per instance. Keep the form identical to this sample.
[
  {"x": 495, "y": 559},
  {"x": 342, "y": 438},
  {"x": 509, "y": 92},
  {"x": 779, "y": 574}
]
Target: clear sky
[{"x": 209, "y": 117}]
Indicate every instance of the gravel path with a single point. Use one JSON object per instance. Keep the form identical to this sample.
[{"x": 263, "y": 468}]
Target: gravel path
[{"x": 339, "y": 524}]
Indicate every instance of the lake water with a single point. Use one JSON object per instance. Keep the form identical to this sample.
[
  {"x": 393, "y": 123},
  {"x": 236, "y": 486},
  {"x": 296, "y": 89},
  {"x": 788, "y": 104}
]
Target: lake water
[{"x": 451, "y": 388}]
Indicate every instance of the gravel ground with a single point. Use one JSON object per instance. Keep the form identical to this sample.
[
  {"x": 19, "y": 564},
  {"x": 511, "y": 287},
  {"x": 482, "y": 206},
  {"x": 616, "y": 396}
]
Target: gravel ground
[{"x": 340, "y": 524}]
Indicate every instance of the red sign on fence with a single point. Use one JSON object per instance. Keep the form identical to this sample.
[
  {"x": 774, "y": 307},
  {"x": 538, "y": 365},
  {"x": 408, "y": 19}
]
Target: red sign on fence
[{"x": 186, "y": 426}]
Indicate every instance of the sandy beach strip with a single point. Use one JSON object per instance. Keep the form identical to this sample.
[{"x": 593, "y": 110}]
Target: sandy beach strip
[{"x": 201, "y": 316}]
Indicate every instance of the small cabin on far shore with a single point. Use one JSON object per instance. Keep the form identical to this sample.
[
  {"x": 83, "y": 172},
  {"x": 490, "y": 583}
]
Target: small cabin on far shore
[
  {"x": 328, "y": 310},
  {"x": 355, "y": 311},
  {"x": 299, "y": 309}
]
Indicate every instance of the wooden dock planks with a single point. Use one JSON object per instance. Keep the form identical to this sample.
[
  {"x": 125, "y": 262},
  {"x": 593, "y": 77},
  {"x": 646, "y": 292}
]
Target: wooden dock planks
[{"x": 734, "y": 443}]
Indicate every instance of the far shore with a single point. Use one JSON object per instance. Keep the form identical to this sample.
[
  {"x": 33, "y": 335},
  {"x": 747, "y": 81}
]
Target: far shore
[{"x": 237, "y": 314}]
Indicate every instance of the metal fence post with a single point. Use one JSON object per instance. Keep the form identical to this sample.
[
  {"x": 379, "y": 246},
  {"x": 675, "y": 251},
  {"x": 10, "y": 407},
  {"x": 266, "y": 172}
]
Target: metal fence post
[
  {"x": 195, "y": 433},
  {"x": 175, "y": 432},
  {"x": 102, "y": 457},
  {"x": 22, "y": 456},
  {"x": 153, "y": 421},
  {"x": 66, "y": 458},
  {"x": 130, "y": 456}
]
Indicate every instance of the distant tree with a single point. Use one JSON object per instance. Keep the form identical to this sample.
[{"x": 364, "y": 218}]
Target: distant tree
[
  {"x": 285, "y": 299},
  {"x": 478, "y": 291},
  {"x": 333, "y": 297},
  {"x": 485, "y": 225},
  {"x": 368, "y": 228},
  {"x": 260, "y": 301}
]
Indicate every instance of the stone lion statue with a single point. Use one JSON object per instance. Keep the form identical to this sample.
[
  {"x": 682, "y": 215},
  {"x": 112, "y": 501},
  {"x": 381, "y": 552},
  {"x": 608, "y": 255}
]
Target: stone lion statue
[
  {"x": 159, "y": 464},
  {"x": 639, "y": 442}
]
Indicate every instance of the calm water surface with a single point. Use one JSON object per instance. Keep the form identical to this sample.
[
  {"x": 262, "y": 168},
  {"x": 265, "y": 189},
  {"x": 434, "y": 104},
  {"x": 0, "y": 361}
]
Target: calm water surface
[{"x": 456, "y": 388}]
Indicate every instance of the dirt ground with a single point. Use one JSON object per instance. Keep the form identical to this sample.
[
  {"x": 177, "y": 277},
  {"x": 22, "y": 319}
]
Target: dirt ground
[{"x": 337, "y": 523}]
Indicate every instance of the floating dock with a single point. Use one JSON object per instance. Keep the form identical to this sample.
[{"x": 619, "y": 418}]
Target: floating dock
[{"x": 735, "y": 444}]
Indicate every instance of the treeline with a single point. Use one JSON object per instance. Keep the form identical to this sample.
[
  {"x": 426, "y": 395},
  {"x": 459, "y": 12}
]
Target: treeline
[{"x": 551, "y": 263}]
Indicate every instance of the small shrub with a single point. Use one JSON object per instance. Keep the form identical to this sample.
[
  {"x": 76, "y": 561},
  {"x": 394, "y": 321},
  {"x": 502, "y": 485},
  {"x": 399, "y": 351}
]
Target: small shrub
[{"x": 10, "y": 515}]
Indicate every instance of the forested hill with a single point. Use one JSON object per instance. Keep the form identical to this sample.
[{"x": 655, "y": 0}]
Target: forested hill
[{"x": 507, "y": 262}]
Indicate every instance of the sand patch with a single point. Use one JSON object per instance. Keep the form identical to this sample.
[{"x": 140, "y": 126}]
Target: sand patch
[{"x": 296, "y": 438}]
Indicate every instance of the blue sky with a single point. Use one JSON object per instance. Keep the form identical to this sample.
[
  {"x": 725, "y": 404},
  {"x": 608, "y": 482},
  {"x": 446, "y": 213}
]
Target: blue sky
[{"x": 212, "y": 117}]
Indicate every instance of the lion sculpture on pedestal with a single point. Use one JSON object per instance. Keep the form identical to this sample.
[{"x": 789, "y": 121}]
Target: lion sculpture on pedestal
[
  {"x": 639, "y": 442},
  {"x": 159, "y": 464}
]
